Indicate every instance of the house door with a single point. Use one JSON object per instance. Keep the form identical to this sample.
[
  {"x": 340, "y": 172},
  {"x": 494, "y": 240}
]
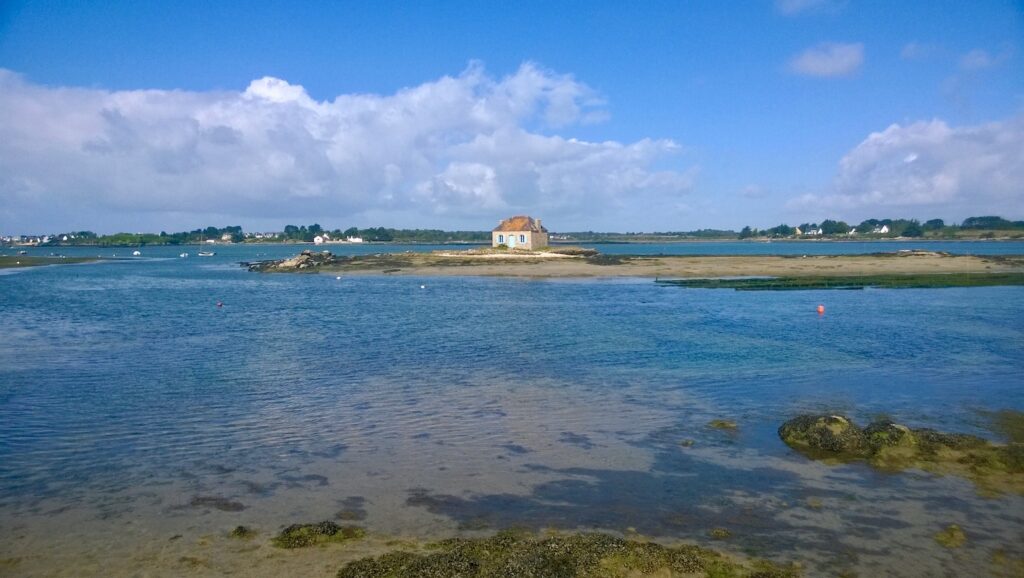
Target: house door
[{"x": 511, "y": 241}]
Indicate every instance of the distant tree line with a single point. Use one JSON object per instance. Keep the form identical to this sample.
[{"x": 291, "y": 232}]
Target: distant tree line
[
  {"x": 233, "y": 233},
  {"x": 386, "y": 235},
  {"x": 981, "y": 227},
  {"x": 892, "y": 228}
]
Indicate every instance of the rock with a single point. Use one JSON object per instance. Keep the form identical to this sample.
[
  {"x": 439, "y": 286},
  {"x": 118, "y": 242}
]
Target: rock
[
  {"x": 722, "y": 424},
  {"x": 827, "y": 434},
  {"x": 303, "y": 535},
  {"x": 891, "y": 446},
  {"x": 884, "y": 433},
  {"x": 303, "y": 261},
  {"x": 243, "y": 533}
]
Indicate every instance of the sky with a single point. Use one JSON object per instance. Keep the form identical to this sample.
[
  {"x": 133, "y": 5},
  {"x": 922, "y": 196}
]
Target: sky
[{"x": 593, "y": 115}]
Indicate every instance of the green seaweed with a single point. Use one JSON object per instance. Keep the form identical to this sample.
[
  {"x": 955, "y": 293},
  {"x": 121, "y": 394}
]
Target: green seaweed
[
  {"x": 952, "y": 537},
  {"x": 305, "y": 535},
  {"x": 9, "y": 262},
  {"x": 243, "y": 533},
  {"x": 890, "y": 446},
  {"x": 720, "y": 533},
  {"x": 888, "y": 281},
  {"x": 516, "y": 553},
  {"x": 722, "y": 424},
  {"x": 1009, "y": 423}
]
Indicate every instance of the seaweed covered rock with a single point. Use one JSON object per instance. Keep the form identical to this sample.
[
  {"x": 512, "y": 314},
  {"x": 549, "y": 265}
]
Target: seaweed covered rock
[
  {"x": 512, "y": 553},
  {"x": 888, "y": 445},
  {"x": 243, "y": 533},
  {"x": 824, "y": 434},
  {"x": 303, "y": 535},
  {"x": 306, "y": 260}
]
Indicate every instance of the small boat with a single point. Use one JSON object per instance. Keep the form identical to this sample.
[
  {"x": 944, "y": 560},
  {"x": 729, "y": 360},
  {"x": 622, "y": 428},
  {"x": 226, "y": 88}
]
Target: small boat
[
  {"x": 136, "y": 253},
  {"x": 183, "y": 255},
  {"x": 23, "y": 252},
  {"x": 206, "y": 253}
]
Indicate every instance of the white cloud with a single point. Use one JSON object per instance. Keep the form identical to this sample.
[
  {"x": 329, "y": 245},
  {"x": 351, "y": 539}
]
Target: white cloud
[
  {"x": 829, "y": 59},
  {"x": 469, "y": 146},
  {"x": 976, "y": 60},
  {"x": 979, "y": 59},
  {"x": 966, "y": 170},
  {"x": 796, "y": 7},
  {"x": 917, "y": 51}
]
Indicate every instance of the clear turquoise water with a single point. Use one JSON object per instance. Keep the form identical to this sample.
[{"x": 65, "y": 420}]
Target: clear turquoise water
[{"x": 475, "y": 403}]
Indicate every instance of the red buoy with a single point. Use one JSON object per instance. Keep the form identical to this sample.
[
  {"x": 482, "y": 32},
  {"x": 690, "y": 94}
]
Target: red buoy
[{"x": 821, "y": 309}]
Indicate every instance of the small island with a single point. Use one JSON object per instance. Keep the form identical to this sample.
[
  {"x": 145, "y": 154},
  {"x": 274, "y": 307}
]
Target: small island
[{"x": 893, "y": 269}]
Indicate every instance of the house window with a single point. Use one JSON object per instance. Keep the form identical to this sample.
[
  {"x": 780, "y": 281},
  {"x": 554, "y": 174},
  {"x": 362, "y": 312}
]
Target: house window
[
  {"x": 501, "y": 239},
  {"x": 522, "y": 238}
]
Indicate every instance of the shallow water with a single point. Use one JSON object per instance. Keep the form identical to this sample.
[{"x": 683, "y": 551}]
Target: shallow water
[{"x": 480, "y": 403}]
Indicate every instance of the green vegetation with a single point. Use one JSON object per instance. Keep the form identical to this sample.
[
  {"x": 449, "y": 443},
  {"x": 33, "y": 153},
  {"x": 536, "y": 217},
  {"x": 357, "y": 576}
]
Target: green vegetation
[
  {"x": 305, "y": 535},
  {"x": 723, "y": 424},
  {"x": 891, "y": 446},
  {"x": 951, "y": 537},
  {"x": 915, "y": 281},
  {"x": 514, "y": 553},
  {"x": 971, "y": 228}
]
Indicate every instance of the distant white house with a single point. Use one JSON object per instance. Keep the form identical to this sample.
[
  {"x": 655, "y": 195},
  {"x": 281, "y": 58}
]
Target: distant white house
[
  {"x": 852, "y": 232},
  {"x": 880, "y": 230},
  {"x": 354, "y": 239},
  {"x": 797, "y": 231},
  {"x": 319, "y": 240},
  {"x": 812, "y": 232}
]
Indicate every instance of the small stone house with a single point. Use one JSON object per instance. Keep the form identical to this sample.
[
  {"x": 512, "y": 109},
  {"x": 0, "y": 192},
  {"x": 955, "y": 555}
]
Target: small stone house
[{"x": 520, "y": 232}]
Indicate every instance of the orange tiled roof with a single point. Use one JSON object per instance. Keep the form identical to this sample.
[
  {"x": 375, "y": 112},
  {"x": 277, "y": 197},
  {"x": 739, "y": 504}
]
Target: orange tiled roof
[{"x": 520, "y": 223}]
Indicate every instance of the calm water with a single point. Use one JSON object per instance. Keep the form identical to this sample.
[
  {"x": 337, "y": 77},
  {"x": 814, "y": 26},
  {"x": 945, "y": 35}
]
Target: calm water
[{"x": 471, "y": 404}]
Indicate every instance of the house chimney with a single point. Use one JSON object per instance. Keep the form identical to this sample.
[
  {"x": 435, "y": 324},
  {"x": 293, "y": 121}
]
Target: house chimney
[{"x": 538, "y": 224}]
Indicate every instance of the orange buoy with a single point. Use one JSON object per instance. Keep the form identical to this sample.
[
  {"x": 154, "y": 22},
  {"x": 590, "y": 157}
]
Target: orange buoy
[{"x": 821, "y": 309}]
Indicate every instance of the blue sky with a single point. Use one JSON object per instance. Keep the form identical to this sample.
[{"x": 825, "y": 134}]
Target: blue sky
[{"x": 592, "y": 115}]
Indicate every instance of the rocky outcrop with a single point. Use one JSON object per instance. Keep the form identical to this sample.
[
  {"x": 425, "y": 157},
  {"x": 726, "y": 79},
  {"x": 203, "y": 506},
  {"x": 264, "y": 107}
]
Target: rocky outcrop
[
  {"x": 304, "y": 535},
  {"x": 826, "y": 434},
  {"x": 304, "y": 261},
  {"x": 891, "y": 446}
]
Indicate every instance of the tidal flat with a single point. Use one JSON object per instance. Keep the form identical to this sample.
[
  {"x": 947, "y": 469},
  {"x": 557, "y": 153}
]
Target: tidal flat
[
  {"x": 907, "y": 269},
  {"x": 19, "y": 261},
  {"x": 174, "y": 416}
]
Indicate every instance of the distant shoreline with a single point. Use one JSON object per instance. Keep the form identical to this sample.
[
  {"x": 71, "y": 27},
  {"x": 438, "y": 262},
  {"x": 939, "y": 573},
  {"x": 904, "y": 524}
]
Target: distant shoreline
[{"x": 664, "y": 241}]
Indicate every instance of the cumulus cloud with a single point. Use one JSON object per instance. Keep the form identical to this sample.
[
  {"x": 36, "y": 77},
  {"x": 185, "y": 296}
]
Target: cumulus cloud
[
  {"x": 963, "y": 170},
  {"x": 469, "y": 146},
  {"x": 829, "y": 59}
]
